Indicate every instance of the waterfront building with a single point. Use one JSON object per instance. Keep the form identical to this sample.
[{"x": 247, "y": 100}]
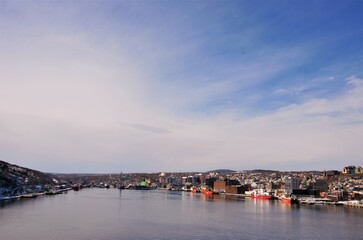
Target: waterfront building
[
  {"x": 228, "y": 186},
  {"x": 201, "y": 179},
  {"x": 210, "y": 181},
  {"x": 162, "y": 179},
  {"x": 291, "y": 183},
  {"x": 338, "y": 195},
  {"x": 184, "y": 180},
  {"x": 321, "y": 185},
  {"x": 174, "y": 181},
  {"x": 304, "y": 193},
  {"x": 272, "y": 186},
  {"x": 357, "y": 195},
  {"x": 249, "y": 181}
]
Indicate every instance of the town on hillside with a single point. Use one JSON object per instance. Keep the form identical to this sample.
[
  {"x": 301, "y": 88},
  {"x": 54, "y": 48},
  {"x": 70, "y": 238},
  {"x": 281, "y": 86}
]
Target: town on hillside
[{"x": 344, "y": 187}]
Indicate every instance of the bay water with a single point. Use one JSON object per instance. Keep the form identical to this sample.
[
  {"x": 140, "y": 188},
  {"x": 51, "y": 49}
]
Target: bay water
[{"x": 112, "y": 214}]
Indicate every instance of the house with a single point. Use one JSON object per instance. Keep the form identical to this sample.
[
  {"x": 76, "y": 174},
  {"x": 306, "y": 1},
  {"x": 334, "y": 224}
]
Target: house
[{"x": 352, "y": 170}]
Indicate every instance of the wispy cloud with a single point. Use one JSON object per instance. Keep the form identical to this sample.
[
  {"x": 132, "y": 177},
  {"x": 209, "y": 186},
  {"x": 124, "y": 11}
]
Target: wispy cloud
[
  {"x": 306, "y": 86},
  {"x": 151, "y": 129}
]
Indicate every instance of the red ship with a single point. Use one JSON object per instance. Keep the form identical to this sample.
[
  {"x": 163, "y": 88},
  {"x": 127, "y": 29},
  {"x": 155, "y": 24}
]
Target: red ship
[
  {"x": 207, "y": 192},
  {"x": 260, "y": 194}
]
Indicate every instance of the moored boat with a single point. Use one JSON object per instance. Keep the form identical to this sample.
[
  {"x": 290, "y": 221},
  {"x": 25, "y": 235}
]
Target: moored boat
[
  {"x": 53, "y": 192},
  {"x": 29, "y": 195},
  {"x": 195, "y": 190},
  {"x": 142, "y": 186},
  {"x": 312, "y": 201},
  {"x": 261, "y": 194},
  {"x": 208, "y": 192},
  {"x": 77, "y": 187},
  {"x": 289, "y": 199},
  {"x": 285, "y": 199}
]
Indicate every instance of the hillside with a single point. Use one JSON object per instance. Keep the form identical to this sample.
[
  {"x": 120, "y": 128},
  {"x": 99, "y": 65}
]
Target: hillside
[
  {"x": 221, "y": 171},
  {"x": 13, "y": 176}
]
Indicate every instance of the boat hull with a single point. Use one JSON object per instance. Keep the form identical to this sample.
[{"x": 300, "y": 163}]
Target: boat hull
[
  {"x": 285, "y": 200},
  {"x": 9, "y": 198},
  {"x": 208, "y": 192},
  {"x": 31, "y": 195},
  {"x": 289, "y": 200},
  {"x": 142, "y": 188},
  {"x": 264, "y": 197}
]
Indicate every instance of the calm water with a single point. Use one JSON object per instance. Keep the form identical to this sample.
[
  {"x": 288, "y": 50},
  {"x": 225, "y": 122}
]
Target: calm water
[{"x": 100, "y": 214}]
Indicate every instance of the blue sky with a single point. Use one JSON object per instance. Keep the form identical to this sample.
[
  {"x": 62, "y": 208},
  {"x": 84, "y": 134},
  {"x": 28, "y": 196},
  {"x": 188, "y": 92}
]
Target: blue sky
[{"x": 132, "y": 86}]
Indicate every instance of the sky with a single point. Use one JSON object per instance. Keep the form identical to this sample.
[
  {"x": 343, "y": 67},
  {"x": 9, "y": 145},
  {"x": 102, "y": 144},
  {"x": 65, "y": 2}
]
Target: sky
[{"x": 150, "y": 86}]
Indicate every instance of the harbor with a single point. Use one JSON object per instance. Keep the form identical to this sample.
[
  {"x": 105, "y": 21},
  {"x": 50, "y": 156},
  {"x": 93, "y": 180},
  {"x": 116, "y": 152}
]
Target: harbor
[
  {"x": 96, "y": 213},
  {"x": 262, "y": 196},
  {"x": 335, "y": 188}
]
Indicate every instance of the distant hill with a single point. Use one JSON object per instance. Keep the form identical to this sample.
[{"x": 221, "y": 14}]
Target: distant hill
[
  {"x": 12, "y": 176},
  {"x": 222, "y": 171},
  {"x": 263, "y": 171}
]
